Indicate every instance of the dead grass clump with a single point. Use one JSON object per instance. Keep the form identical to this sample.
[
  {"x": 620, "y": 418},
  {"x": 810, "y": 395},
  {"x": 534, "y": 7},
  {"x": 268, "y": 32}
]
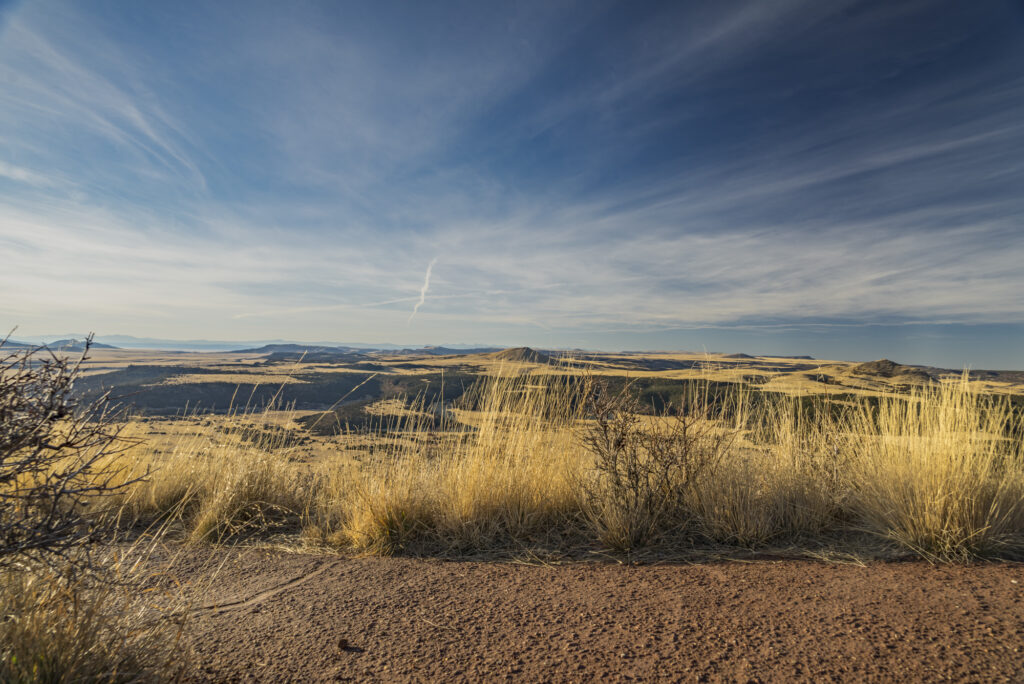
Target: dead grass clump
[
  {"x": 60, "y": 627},
  {"x": 508, "y": 481},
  {"x": 528, "y": 460},
  {"x": 939, "y": 472},
  {"x": 780, "y": 483},
  {"x": 219, "y": 484}
]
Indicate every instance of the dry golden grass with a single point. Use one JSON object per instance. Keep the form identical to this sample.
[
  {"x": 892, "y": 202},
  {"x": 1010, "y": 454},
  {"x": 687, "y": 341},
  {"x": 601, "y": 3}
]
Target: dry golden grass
[
  {"x": 939, "y": 472},
  {"x": 782, "y": 486},
  {"x": 217, "y": 483},
  {"x": 112, "y": 624},
  {"x": 512, "y": 479}
]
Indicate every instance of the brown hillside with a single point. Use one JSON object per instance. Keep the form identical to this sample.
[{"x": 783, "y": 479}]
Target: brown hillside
[
  {"x": 522, "y": 355},
  {"x": 884, "y": 368}
]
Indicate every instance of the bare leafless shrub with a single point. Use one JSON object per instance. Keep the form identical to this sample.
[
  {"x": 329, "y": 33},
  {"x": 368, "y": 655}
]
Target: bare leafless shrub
[
  {"x": 645, "y": 466},
  {"x": 57, "y": 458},
  {"x": 69, "y": 611}
]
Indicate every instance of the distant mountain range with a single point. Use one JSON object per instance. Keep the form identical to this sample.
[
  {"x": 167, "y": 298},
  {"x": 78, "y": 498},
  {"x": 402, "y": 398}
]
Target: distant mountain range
[
  {"x": 431, "y": 350},
  {"x": 70, "y": 344},
  {"x": 77, "y": 345},
  {"x": 14, "y": 344},
  {"x": 316, "y": 352},
  {"x": 522, "y": 354},
  {"x": 247, "y": 346},
  {"x": 290, "y": 348}
]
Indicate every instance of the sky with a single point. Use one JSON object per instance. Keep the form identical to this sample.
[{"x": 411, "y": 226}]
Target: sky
[{"x": 843, "y": 179}]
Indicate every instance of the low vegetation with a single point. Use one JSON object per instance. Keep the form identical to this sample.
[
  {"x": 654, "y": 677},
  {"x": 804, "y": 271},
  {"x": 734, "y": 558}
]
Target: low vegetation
[
  {"x": 569, "y": 462},
  {"x": 938, "y": 473},
  {"x": 217, "y": 485},
  {"x": 508, "y": 481}
]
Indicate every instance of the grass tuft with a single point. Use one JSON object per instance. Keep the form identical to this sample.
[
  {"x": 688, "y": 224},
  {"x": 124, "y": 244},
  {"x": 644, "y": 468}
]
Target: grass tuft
[
  {"x": 939, "y": 473},
  {"x": 109, "y": 625}
]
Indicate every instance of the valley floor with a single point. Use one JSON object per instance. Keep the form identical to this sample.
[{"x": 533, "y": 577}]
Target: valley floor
[{"x": 272, "y": 616}]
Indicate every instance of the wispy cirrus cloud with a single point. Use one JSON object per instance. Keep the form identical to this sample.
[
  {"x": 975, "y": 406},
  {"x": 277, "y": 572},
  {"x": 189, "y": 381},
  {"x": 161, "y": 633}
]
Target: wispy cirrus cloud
[{"x": 23, "y": 175}]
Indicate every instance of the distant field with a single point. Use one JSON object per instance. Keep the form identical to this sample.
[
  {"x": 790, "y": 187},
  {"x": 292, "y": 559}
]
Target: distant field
[{"x": 166, "y": 383}]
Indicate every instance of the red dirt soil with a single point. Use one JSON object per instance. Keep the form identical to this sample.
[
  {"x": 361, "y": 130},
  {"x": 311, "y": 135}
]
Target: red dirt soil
[{"x": 291, "y": 617}]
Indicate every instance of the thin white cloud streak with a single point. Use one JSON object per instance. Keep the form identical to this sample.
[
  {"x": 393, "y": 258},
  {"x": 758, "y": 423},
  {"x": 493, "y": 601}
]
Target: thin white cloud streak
[
  {"x": 854, "y": 270},
  {"x": 423, "y": 290},
  {"x": 23, "y": 175},
  {"x": 348, "y": 306}
]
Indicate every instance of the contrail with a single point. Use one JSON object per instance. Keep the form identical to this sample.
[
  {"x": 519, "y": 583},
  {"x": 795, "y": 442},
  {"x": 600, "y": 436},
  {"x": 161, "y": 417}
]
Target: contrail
[{"x": 423, "y": 290}]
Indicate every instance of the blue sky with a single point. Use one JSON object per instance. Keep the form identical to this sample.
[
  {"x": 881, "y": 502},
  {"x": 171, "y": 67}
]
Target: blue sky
[{"x": 843, "y": 179}]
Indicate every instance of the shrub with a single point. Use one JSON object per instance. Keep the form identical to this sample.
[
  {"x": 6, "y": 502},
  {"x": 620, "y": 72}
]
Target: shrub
[
  {"x": 644, "y": 469},
  {"x": 57, "y": 458},
  {"x": 66, "y": 615}
]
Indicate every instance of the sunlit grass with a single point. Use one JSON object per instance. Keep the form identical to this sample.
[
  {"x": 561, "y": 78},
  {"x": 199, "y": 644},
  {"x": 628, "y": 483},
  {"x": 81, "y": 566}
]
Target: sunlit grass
[
  {"x": 511, "y": 479},
  {"x": 217, "y": 483},
  {"x": 532, "y": 462},
  {"x": 938, "y": 472},
  {"x": 112, "y": 623},
  {"x": 941, "y": 473}
]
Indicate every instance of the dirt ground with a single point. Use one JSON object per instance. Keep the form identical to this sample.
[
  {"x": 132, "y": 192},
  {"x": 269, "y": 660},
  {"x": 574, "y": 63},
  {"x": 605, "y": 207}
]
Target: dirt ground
[{"x": 271, "y": 616}]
